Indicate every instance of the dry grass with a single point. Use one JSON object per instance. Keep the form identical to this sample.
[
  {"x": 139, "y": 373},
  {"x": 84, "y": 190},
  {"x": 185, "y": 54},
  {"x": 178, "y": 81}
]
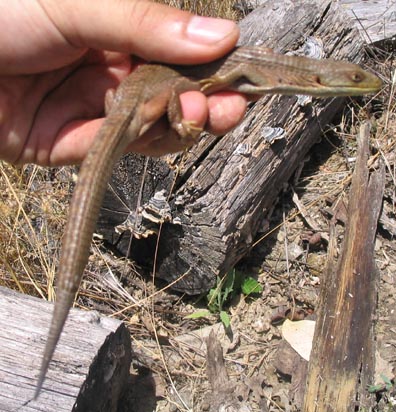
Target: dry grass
[
  {"x": 220, "y": 8},
  {"x": 32, "y": 216},
  {"x": 33, "y": 209}
]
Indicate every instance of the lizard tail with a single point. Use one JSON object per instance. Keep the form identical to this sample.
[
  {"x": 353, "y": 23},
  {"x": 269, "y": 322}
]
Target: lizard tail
[{"x": 61, "y": 310}]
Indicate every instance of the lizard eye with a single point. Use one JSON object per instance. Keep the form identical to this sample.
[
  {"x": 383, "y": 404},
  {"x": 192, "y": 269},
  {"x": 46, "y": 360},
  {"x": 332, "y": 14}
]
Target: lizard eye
[{"x": 357, "y": 77}]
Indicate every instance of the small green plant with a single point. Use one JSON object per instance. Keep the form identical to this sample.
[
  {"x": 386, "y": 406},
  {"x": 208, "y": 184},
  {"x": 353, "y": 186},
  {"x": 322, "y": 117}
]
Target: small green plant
[
  {"x": 226, "y": 288},
  {"x": 223, "y": 291},
  {"x": 381, "y": 387},
  {"x": 250, "y": 286}
]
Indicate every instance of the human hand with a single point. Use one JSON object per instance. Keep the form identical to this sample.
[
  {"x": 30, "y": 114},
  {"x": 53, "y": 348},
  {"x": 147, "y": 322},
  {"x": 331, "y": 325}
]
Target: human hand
[{"x": 57, "y": 59}]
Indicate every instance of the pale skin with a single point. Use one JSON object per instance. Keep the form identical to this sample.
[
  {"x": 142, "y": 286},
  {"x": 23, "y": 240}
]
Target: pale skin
[{"x": 58, "y": 59}]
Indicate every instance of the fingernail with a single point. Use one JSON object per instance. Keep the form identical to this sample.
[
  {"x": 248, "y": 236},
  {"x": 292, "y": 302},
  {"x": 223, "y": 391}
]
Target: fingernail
[{"x": 208, "y": 30}]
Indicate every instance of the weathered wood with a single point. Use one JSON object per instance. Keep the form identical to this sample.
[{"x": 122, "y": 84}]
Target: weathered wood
[
  {"x": 225, "y": 185},
  {"x": 90, "y": 364},
  {"x": 223, "y": 395},
  {"x": 342, "y": 360},
  {"x": 375, "y": 19}
]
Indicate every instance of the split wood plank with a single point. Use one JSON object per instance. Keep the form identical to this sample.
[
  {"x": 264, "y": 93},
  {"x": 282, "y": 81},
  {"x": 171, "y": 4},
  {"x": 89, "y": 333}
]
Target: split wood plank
[
  {"x": 342, "y": 360},
  {"x": 90, "y": 365}
]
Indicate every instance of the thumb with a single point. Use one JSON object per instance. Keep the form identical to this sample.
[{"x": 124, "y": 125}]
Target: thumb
[{"x": 149, "y": 30}]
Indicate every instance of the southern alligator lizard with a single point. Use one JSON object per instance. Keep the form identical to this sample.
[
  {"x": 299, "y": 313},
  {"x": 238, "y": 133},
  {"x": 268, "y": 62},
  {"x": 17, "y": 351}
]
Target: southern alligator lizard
[{"x": 152, "y": 91}]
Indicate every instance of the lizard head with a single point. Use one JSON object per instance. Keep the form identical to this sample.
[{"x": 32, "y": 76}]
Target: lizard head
[{"x": 346, "y": 79}]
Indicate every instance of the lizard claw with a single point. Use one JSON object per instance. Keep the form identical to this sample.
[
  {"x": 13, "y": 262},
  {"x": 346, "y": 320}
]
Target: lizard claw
[
  {"x": 208, "y": 83},
  {"x": 187, "y": 129}
]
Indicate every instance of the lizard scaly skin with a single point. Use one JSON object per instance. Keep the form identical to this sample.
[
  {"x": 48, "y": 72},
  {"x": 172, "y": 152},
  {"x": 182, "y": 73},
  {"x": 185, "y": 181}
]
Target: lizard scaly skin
[{"x": 145, "y": 96}]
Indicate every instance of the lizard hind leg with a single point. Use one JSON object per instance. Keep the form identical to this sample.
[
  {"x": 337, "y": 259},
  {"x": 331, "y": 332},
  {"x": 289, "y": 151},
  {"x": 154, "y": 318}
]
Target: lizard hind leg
[
  {"x": 187, "y": 130},
  {"x": 182, "y": 134}
]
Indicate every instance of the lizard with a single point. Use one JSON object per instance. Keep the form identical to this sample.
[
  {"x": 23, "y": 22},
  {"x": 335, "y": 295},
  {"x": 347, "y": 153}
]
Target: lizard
[{"x": 152, "y": 91}]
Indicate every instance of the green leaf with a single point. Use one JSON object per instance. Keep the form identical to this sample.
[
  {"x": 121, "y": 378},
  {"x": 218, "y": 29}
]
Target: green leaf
[
  {"x": 218, "y": 296},
  {"x": 225, "y": 319},
  {"x": 250, "y": 286},
  {"x": 228, "y": 286},
  {"x": 386, "y": 379},
  {"x": 388, "y": 382},
  {"x": 198, "y": 314},
  {"x": 213, "y": 303},
  {"x": 375, "y": 388}
]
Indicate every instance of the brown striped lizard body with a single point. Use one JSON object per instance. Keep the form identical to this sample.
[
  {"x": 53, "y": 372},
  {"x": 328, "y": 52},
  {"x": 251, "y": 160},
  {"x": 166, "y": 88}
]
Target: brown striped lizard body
[{"x": 152, "y": 91}]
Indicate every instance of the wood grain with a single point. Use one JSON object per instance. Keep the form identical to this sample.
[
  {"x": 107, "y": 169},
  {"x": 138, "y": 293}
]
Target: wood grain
[{"x": 90, "y": 365}]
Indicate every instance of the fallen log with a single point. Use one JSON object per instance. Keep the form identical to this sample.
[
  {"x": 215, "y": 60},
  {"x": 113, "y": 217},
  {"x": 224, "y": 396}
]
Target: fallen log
[{"x": 221, "y": 190}]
